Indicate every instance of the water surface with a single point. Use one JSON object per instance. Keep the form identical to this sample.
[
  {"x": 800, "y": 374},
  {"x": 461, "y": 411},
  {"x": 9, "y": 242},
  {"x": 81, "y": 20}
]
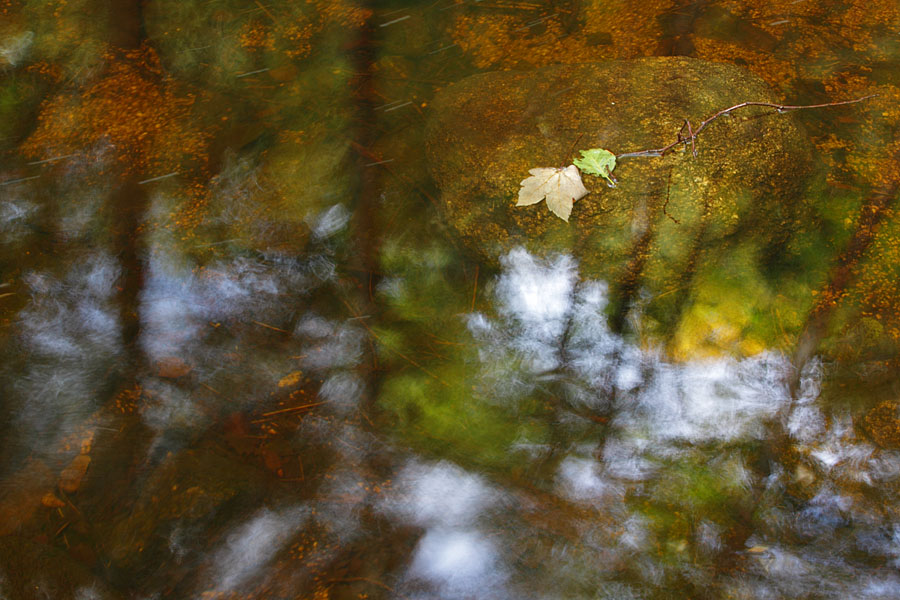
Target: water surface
[{"x": 247, "y": 354}]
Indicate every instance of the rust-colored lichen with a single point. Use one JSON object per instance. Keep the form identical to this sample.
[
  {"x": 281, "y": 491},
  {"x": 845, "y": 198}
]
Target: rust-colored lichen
[
  {"x": 142, "y": 115},
  {"x": 530, "y": 38},
  {"x": 10, "y": 7},
  {"x": 127, "y": 400},
  {"x": 297, "y": 36},
  {"x": 292, "y": 34},
  {"x": 191, "y": 211},
  {"x": 772, "y": 69},
  {"x": 883, "y": 425},
  {"x": 256, "y": 36},
  {"x": 50, "y": 71}
]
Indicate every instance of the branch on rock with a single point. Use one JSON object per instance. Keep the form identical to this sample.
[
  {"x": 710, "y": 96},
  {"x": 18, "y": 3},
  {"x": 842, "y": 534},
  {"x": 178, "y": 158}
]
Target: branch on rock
[{"x": 692, "y": 132}]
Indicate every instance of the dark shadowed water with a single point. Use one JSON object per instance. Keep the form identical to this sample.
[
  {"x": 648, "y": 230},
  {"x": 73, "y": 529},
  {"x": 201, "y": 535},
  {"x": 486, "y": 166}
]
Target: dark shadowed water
[{"x": 273, "y": 327}]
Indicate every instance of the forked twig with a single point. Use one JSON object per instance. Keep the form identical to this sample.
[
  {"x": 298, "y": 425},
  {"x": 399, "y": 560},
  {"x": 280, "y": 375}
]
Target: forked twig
[{"x": 693, "y": 133}]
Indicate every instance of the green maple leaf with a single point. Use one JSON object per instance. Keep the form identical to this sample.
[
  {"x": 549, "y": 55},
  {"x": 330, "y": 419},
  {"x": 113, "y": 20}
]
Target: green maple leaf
[{"x": 599, "y": 162}]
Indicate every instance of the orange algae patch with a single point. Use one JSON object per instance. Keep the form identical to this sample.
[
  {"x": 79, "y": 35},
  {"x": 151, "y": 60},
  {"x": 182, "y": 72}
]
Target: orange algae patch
[
  {"x": 298, "y": 36},
  {"x": 784, "y": 30},
  {"x": 633, "y": 26},
  {"x": 50, "y": 71},
  {"x": 883, "y": 425},
  {"x": 293, "y": 34},
  {"x": 298, "y": 32},
  {"x": 135, "y": 109},
  {"x": 850, "y": 25},
  {"x": 496, "y": 41},
  {"x": 10, "y": 9},
  {"x": 774, "y": 71},
  {"x": 191, "y": 212},
  {"x": 530, "y": 38},
  {"x": 342, "y": 13},
  {"x": 127, "y": 400},
  {"x": 256, "y": 36}
]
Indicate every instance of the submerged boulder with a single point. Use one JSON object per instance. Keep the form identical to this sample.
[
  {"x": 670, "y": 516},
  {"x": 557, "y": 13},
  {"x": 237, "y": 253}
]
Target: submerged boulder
[{"x": 488, "y": 130}]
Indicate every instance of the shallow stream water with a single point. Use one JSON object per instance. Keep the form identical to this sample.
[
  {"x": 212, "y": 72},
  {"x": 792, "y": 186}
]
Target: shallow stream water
[{"x": 248, "y": 350}]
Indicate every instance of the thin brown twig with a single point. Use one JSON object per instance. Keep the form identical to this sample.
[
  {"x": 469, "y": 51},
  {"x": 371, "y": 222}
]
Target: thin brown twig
[
  {"x": 272, "y": 327},
  {"x": 291, "y": 409},
  {"x": 693, "y": 137},
  {"x": 693, "y": 133}
]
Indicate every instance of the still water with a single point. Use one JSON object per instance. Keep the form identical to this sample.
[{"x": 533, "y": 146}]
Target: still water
[{"x": 273, "y": 327}]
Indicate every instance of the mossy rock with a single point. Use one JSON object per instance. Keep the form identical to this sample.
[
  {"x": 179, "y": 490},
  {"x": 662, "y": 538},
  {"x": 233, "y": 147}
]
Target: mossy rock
[{"x": 488, "y": 130}]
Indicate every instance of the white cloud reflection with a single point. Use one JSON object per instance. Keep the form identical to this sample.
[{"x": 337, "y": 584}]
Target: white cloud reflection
[
  {"x": 251, "y": 546},
  {"x": 459, "y": 563},
  {"x": 548, "y": 326},
  {"x": 70, "y": 335},
  {"x": 455, "y": 558},
  {"x": 178, "y": 303},
  {"x": 544, "y": 312},
  {"x": 439, "y": 494}
]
